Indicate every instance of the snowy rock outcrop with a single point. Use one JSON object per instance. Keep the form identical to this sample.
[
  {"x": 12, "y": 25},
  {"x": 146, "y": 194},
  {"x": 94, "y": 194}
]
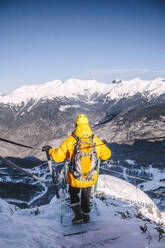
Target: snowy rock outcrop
[{"x": 124, "y": 191}]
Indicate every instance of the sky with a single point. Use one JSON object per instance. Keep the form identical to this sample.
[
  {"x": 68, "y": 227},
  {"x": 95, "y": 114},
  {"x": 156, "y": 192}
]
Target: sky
[{"x": 87, "y": 39}]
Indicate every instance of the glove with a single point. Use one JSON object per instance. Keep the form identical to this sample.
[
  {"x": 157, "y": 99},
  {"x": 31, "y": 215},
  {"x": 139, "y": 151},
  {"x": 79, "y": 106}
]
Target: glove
[
  {"x": 104, "y": 141},
  {"x": 46, "y": 148}
]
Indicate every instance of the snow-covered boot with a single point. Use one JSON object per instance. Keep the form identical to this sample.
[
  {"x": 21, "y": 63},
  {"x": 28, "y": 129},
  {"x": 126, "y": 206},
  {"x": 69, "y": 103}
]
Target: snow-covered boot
[
  {"x": 78, "y": 215},
  {"x": 86, "y": 217}
]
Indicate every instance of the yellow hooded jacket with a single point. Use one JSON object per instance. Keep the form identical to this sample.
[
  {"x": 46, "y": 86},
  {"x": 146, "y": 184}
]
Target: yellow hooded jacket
[{"x": 66, "y": 150}]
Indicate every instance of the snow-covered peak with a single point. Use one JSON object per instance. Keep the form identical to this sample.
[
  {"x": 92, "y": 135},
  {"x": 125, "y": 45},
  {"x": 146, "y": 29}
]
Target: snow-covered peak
[
  {"x": 52, "y": 89},
  {"x": 75, "y": 87},
  {"x": 149, "y": 88},
  {"x": 116, "y": 81},
  {"x": 25, "y": 92}
]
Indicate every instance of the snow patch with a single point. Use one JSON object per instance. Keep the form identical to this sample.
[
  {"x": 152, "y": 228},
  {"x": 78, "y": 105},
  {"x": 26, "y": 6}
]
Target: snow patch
[
  {"x": 64, "y": 107},
  {"x": 157, "y": 180},
  {"x": 130, "y": 162},
  {"x": 124, "y": 191}
]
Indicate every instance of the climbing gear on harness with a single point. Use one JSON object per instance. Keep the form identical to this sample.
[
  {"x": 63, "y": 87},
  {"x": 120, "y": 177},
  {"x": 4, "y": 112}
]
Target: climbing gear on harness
[{"x": 79, "y": 153}]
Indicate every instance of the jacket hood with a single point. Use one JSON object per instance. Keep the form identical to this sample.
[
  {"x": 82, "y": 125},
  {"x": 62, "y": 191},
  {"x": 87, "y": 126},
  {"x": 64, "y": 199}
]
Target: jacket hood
[{"x": 83, "y": 131}]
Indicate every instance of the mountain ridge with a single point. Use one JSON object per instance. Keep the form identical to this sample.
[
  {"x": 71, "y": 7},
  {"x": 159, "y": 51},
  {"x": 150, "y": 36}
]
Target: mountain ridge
[
  {"x": 115, "y": 111},
  {"x": 73, "y": 88}
]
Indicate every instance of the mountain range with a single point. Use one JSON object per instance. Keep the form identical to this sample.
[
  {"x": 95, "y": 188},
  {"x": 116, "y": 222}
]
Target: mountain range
[{"x": 45, "y": 113}]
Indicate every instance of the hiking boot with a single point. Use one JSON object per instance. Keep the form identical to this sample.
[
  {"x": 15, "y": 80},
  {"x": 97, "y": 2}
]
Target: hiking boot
[
  {"x": 78, "y": 215},
  {"x": 86, "y": 217}
]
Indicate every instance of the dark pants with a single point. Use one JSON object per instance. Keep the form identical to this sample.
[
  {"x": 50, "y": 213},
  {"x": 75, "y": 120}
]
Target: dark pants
[{"x": 85, "y": 197}]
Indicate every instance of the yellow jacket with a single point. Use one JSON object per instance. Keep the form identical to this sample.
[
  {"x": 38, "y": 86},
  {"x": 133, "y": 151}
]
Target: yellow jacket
[{"x": 66, "y": 150}]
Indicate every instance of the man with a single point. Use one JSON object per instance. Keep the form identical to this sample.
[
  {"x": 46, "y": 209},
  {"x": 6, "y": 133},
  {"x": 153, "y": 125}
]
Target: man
[{"x": 83, "y": 149}]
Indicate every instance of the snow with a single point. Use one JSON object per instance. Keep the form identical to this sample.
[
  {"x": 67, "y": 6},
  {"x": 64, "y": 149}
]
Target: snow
[
  {"x": 156, "y": 183},
  {"x": 25, "y": 229},
  {"x": 122, "y": 190},
  {"x": 72, "y": 88},
  {"x": 130, "y": 162},
  {"x": 41, "y": 227},
  {"x": 64, "y": 107}
]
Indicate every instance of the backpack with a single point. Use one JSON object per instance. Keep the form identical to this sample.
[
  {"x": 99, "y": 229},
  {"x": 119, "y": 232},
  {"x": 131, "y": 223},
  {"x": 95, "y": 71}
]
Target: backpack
[{"x": 79, "y": 154}]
